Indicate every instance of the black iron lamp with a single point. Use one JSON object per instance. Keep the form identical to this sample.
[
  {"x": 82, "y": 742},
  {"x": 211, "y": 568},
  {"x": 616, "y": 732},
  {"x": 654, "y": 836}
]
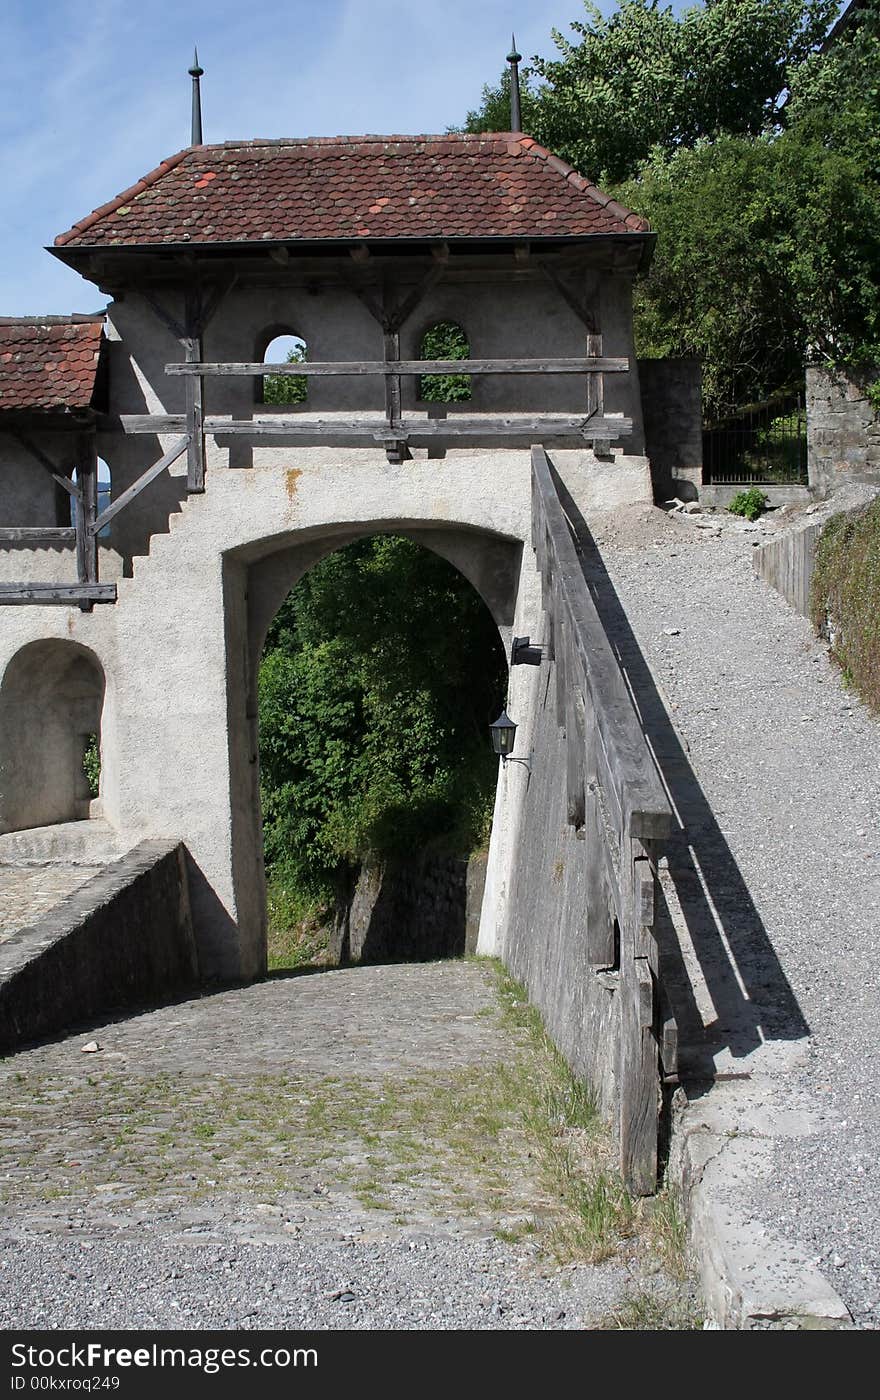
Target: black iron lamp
[{"x": 503, "y": 733}]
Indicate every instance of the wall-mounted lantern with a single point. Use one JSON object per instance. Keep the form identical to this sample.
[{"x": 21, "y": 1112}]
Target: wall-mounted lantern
[
  {"x": 503, "y": 733},
  {"x": 525, "y": 652}
]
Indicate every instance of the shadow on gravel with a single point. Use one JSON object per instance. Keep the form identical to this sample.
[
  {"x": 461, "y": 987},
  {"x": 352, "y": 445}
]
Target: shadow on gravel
[{"x": 750, "y": 995}]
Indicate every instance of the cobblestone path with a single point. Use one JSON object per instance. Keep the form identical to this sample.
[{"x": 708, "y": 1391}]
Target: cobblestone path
[
  {"x": 29, "y": 891},
  {"x": 344, "y": 1149}
]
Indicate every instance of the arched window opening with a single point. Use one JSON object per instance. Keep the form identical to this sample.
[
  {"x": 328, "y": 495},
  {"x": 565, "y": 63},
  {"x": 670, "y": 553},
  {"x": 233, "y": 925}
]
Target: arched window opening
[
  {"x": 51, "y": 703},
  {"x": 377, "y": 776},
  {"x": 444, "y": 341},
  {"x": 104, "y": 491},
  {"x": 284, "y": 388}
]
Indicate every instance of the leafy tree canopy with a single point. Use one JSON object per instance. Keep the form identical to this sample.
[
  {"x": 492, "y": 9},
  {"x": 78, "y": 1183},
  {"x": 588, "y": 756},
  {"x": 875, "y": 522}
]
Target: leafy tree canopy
[
  {"x": 373, "y": 718},
  {"x": 768, "y": 248},
  {"x": 644, "y": 79},
  {"x": 755, "y": 156}
]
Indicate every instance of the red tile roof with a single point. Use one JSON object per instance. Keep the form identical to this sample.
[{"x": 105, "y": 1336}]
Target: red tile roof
[
  {"x": 355, "y": 187},
  {"x": 49, "y": 362}
]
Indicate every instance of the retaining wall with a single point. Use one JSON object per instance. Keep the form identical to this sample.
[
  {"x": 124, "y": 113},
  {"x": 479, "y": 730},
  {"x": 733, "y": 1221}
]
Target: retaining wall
[
  {"x": 427, "y": 907},
  {"x": 787, "y": 564},
  {"x": 124, "y": 937}
]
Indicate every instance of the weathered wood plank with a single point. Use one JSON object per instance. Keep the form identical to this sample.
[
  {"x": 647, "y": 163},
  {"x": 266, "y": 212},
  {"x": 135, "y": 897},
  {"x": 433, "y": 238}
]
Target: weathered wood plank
[
  {"x": 581, "y": 308},
  {"x": 639, "y": 1079},
  {"x": 319, "y": 368},
  {"x": 602, "y": 893},
  {"x": 170, "y": 322},
  {"x": 138, "y": 486},
  {"x": 192, "y": 346},
  {"x": 26, "y": 534},
  {"x": 575, "y": 757},
  {"x": 457, "y": 425},
  {"x": 418, "y": 293},
  {"x": 595, "y": 381},
  {"x": 87, "y": 510},
  {"x": 629, "y": 767},
  {"x": 18, "y": 593}
]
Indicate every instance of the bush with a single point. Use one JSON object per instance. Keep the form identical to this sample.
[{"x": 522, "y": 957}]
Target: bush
[
  {"x": 751, "y": 503},
  {"x": 845, "y": 596}
]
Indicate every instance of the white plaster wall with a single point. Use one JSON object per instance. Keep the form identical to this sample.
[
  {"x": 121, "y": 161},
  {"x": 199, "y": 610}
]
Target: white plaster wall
[{"x": 179, "y": 649}]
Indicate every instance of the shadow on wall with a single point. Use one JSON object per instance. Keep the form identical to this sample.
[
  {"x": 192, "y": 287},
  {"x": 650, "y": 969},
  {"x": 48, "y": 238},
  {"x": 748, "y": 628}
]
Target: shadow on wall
[
  {"x": 51, "y": 700},
  {"x": 411, "y": 911},
  {"x": 750, "y": 999}
]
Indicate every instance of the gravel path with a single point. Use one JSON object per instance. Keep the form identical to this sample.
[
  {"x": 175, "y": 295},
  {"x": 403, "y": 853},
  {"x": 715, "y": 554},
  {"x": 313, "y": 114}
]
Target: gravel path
[
  {"x": 790, "y": 763},
  {"x": 339, "y": 1150}
]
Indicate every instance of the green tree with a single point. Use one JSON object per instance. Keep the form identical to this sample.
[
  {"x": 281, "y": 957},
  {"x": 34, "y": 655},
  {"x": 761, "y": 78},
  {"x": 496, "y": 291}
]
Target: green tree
[
  {"x": 373, "y": 715},
  {"x": 768, "y": 247},
  {"x": 287, "y": 388},
  {"x": 445, "y": 341},
  {"x": 644, "y": 79}
]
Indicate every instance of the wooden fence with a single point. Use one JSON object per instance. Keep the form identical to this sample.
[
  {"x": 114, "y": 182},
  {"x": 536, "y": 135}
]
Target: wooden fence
[{"x": 614, "y": 793}]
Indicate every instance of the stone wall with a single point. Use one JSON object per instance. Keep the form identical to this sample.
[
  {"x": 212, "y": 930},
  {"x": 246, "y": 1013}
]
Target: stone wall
[
  {"x": 125, "y": 937},
  {"x": 672, "y": 411},
  {"x": 843, "y": 430},
  {"x": 424, "y": 908}
]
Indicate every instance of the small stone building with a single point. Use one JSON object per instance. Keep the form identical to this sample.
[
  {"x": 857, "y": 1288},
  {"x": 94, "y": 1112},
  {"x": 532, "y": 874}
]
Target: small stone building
[{"x": 144, "y": 620}]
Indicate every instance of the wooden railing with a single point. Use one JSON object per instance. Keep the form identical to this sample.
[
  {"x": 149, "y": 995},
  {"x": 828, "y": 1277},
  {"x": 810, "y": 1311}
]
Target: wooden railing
[{"x": 614, "y": 795}]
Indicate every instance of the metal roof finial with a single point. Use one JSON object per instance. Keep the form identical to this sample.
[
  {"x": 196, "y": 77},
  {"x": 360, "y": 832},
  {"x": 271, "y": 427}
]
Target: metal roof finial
[
  {"x": 514, "y": 59},
  {"x": 195, "y": 73}
]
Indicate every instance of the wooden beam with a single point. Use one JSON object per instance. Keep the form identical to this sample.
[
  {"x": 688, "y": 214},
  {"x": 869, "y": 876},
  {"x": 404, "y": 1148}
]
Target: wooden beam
[
  {"x": 170, "y": 322},
  {"x": 589, "y": 364},
  {"x": 26, "y": 534},
  {"x": 595, "y": 381},
  {"x": 215, "y": 301},
  {"x": 138, "y": 486},
  {"x": 420, "y": 291},
  {"x": 365, "y": 295},
  {"x": 152, "y": 423},
  {"x": 46, "y": 462},
  {"x": 87, "y": 510},
  {"x": 192, "y": 348},
  {"x": 581, "y": 309},
  {"x": 395, "y": 445},
  {"x": 11, "y": 593},
  {"x": 456, "y": 425}
]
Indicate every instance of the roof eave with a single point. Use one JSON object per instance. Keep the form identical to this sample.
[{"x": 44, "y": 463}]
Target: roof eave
[{"x": 75, "y": 254}]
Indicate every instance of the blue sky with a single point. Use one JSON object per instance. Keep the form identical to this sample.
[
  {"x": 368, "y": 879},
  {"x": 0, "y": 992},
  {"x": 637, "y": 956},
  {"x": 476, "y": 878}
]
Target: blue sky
[{"x": 93, "y": 95}]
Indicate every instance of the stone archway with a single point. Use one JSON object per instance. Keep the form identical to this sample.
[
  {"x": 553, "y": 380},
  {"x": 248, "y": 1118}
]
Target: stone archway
[
  {"x": 257, "y": 578},
  {"x": 51, "y": 702}
]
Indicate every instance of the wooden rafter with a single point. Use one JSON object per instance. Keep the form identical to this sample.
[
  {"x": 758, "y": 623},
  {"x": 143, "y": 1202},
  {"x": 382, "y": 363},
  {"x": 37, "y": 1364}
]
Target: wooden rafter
[{"x": 590, "y": 364}]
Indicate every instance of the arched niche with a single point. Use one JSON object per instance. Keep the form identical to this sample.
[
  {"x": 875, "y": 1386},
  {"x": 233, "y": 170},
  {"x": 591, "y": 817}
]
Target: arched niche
[
  {"x": 444, "y": 340},
  {"x": 281, "y": 345},
  {"x": 104, "y": 494},
  {"x": 51, "y": 702}
]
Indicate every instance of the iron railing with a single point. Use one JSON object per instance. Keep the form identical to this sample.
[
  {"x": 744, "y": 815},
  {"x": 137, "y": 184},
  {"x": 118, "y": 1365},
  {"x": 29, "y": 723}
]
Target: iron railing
[{"x": 764, "y": 444}]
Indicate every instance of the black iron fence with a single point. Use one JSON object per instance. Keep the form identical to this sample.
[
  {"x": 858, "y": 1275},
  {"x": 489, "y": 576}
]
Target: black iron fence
[{"x": 763, "y": 445}]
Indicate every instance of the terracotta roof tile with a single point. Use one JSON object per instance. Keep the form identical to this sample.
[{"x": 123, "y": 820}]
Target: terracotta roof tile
[
  {"x": 49, "y": 363},
  {"x": 462, "y": 186}
]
